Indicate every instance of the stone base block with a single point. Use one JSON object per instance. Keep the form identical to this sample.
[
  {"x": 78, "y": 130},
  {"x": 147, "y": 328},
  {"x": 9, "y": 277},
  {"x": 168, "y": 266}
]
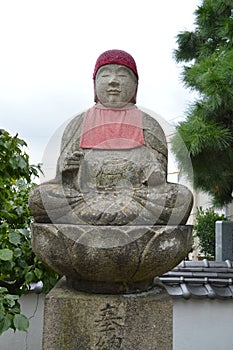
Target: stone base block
[{"x": 81, "y": 321}]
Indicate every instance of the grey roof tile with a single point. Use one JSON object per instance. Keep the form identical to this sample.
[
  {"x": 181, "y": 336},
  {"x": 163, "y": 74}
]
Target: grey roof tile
[{"x": 200, "y": 279}]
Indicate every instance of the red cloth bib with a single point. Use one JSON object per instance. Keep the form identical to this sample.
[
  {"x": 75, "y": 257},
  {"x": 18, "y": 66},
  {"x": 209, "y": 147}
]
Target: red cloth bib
[{"x": 112, "y": 128}]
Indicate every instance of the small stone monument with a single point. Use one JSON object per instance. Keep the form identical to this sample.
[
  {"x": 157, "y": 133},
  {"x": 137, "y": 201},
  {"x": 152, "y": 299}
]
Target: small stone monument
[
  {"x": 110, "y": 222},
  {"x": 224, "y": 240}
]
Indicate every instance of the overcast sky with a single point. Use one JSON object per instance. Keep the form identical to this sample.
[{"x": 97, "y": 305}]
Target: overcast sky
[{"x": 49, "y": 49}]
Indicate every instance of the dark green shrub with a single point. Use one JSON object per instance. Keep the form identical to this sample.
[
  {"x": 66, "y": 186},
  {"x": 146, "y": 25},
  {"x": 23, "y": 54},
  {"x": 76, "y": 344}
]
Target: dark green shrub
[
  {"x": 18, "y": 265},
  {"x": 204, "y": 229}
]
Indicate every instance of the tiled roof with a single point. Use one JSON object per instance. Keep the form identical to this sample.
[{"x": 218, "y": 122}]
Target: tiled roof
[
  {"x": 200, "y": 279},
  {"x": 192, "y": 279}
]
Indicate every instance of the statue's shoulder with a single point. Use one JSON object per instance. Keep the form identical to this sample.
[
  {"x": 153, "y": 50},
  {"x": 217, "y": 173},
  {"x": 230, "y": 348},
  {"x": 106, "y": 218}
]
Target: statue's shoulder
[
  {"x": 75, "y": 123},
  {"x": 154, "y": 134},
  {"x": 150, "y": 122},
  {"x": 72, "y": 131}
]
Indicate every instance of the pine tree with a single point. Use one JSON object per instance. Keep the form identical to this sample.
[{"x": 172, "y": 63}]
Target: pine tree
[{"x": 207, "y": 57}]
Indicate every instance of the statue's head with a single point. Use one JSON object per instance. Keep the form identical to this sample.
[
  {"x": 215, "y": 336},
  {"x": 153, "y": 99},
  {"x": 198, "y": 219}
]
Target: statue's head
[{"x": 115, "y": 79}]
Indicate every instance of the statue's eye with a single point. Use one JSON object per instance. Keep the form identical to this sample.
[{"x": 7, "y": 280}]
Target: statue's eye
[
  {"x": 122, "y": 73},
  {"x": 105, "y": 73}
]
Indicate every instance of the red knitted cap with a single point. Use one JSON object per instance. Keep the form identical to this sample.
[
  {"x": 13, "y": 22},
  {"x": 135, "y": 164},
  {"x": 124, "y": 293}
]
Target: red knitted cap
[{"x": 117, "y": 57}]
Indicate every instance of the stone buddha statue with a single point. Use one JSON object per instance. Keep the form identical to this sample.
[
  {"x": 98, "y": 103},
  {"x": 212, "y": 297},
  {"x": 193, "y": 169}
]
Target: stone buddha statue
[
  {"x": 112, "y": 169},
  {"x": 110, "y": 221}
]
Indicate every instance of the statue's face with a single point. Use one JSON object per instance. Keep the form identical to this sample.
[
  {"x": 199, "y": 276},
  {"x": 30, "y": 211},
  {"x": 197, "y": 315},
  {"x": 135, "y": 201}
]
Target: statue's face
[{"x": 115, "y": 85}]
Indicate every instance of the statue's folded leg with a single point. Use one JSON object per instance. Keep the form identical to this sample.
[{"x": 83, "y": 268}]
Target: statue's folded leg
[
  {"x": 166, "y": 204},
  {"x": 50, "y": 202},
  {"x": 178, "y": 203}
]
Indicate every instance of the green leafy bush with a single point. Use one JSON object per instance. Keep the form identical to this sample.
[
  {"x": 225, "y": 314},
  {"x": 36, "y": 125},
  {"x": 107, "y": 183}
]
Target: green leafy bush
[
  {"x": 19, "y": 266},
  {"x": 205, "y": 230}
]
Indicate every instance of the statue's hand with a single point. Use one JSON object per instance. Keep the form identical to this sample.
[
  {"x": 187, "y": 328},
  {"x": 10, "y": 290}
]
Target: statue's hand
[{"x": 72, "y": 161}]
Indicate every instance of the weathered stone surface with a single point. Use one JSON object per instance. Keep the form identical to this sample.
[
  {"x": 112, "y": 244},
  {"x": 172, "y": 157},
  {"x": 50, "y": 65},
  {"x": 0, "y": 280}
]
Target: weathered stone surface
[
  {"x": 81, "y": 321},
  {"x": 224, "y": 240},
  {"x": 112, "y": 187},
  {"x": 110, "y": 222},
  {"x": 111, "y": 259}
]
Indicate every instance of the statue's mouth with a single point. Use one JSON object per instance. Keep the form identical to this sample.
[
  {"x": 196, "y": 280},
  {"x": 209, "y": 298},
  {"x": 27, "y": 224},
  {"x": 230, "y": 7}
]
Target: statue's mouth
[{"x": 113, "y": 91}]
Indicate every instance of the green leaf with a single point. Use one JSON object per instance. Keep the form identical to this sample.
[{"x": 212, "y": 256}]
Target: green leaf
[
  {"x": 10, "y": 299},
  {"x": 38, "y": 273},
  {"x": 16, "y": 308},
  {"x": 12, "y": 296},
  {"x": 5, "y": 323},
  {"x": 3, "y": 290},
  {"x": 17, "y": 252},
  {"x": 14, "y": 237},
  {"x": 21, "y": 322},
  {"x": 6, "y": 254},
  {"x": 29, "y": 277},
  {"x": 2, "y": 307},
  {"x": 22, "y": 163},
  {"x": 2, "y": 315},
  {"x": 24, "y": 232}
]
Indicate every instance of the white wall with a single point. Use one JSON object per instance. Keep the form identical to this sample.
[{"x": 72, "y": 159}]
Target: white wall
[
  {"x": 203, "y": 324},
  {"x": 32, "y": 305}
]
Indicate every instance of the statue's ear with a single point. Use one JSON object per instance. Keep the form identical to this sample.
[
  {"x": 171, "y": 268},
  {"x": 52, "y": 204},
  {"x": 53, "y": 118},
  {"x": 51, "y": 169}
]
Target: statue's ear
[{"x": 95, "y": 94}]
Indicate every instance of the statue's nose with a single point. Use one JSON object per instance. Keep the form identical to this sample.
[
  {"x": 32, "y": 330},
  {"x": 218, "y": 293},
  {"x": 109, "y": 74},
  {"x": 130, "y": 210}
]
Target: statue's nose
[{"x": 113, "y": 81}]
